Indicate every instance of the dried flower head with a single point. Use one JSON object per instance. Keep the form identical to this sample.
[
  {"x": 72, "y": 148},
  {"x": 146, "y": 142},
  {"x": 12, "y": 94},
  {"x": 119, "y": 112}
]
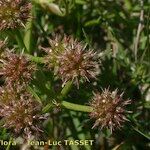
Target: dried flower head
[
  {"x": 16, "y": 69},
  {"x": 20, "y": 112},
  {"x": 13, "y": 13},
  {"x": 109, "y": 109},
  {"x": 72, "y": 60}
]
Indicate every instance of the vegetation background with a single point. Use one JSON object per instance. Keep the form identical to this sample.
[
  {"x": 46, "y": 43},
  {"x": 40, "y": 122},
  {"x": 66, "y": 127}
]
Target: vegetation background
[{"x": 119, "y": 30}]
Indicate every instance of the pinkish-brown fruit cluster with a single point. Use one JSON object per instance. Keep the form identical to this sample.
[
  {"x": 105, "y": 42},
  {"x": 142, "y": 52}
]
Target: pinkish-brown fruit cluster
[
  {"x": 20, "y": 112},
  {"x": 108, "y": 109},
  {"x": 13, "y": 13},
  {"x": 16, "y": 69},
  {"x": 72, "y": 60}
]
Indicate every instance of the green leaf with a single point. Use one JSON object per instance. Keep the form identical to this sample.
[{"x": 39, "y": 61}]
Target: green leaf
[
  {"x": 92, "y": 22},
  {"x": 66, "y": 89},
  {"x": 34, "y": 94},
  {"x": 19, "y": 39},
  {"x": 28, "y": 38},
  {"x": 140, "y": 132},
  {"x": 47, "y": 108}
]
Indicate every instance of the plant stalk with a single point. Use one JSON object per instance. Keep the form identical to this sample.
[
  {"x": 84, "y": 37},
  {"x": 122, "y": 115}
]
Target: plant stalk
[{"x": 76, "y": 107}]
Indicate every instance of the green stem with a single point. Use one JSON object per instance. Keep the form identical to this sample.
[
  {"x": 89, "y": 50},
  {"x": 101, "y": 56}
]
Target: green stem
[
  {"x": 36, "y": 59},
  {"x": 66, "y": 89},
  {"x": 76, "y": 107}
]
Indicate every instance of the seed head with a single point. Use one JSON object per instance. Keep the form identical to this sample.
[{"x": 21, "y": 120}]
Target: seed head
[
  {"x": 20, "y": 112},
  {"x": 13, "y": 13},
  {"x": 108, "y": 109},
  {"x": 72, "y": 60},
  {"x": 16, "y": 69}
]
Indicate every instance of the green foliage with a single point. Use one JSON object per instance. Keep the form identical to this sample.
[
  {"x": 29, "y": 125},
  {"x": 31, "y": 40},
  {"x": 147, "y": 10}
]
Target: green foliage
[{"x": 111, "y": 28}]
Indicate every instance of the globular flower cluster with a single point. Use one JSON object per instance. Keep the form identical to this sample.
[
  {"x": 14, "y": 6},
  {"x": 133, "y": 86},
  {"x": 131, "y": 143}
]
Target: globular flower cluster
[
  {"x": 109, "y": 109},
  {"x": 13, "y": 13},
  {"x": 20, "y": 112},
  {"x": 16, "y": 69},
  {"x": 73, "y": 61},
  {"x": 18, "y": 108}
]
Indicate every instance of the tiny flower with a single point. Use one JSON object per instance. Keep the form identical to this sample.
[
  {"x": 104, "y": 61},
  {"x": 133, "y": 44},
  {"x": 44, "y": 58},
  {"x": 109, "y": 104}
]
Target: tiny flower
[
  {"x": 72, "y": 60},
  {"x": 20, "y": 112},
  {"x": 16, "y": 69},
  {"x": 13, "y": 13},
  {"x": 108, "y": 109}
]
